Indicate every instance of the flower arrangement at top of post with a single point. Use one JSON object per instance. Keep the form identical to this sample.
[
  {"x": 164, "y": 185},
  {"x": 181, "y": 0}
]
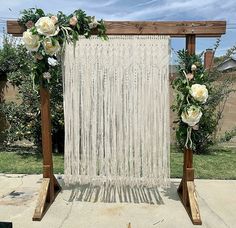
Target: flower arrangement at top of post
[
  {"x": 192, "y": 88},
  {"x": 46, "y": 36}
]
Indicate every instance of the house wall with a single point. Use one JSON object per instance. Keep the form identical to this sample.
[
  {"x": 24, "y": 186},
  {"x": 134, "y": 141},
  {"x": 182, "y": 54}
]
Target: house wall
[{"x": 229, "y": 115}]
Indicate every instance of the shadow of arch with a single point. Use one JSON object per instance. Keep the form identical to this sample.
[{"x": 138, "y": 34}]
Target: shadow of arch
[{"x": 111, "y": 193}]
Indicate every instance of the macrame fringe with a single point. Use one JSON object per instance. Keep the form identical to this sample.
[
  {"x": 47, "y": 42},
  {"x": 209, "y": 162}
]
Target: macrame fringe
[{"x": 116, "y": 102}]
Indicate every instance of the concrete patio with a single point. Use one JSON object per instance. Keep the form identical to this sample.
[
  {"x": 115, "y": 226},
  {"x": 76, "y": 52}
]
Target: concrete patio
[{"x": 18, "y": 196}]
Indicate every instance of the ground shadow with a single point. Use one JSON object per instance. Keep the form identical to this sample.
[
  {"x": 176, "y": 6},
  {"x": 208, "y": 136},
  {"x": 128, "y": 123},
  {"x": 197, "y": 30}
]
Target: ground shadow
[
  {"x": 171, "y": 192},
  {"x": 110, "y": 193}
]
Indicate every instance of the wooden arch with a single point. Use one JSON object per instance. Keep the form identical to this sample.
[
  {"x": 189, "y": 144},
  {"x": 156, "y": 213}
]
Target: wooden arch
[{"x": 188, "y": 29}]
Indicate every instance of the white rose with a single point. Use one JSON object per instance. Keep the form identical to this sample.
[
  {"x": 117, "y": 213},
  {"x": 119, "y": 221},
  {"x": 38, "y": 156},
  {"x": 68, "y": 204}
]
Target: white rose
[
  {"x": 192, "y": 116},
  {"x": 49, "y": 48},
  {"x": 45, "y": 26},
  {"x": 31, "y": 41},
  {"x": 199, "y": 92}
]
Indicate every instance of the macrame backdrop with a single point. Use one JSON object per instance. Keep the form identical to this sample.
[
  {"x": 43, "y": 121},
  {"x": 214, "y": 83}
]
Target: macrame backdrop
[{"x": 116, "y": 104}]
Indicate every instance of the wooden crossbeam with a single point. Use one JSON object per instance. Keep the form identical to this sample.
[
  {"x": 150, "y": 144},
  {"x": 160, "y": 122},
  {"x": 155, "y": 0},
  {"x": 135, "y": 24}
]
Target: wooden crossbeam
[{"x": 171, "y": 28}]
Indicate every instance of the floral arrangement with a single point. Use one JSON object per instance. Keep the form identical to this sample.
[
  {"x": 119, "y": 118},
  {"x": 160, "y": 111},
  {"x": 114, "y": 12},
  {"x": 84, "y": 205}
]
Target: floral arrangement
[
  {"x": 192, "y": 88},
  {"x": 47, "y": 34}
]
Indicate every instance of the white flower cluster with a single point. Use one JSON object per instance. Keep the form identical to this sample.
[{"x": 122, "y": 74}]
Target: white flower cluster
[
  {"x": 193, "y": 114},
  {"x": 47, "y": 27}
]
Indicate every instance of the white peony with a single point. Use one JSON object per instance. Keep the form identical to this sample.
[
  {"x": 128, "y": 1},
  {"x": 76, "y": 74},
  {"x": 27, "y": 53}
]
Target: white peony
[
  {"x": 199, "y": 92},
  {"x": 50, "y": 48},
  {"x": 46, "y": 26},
  {"x": 192, "y": 116},
  {"x": 31, "y": 41}
]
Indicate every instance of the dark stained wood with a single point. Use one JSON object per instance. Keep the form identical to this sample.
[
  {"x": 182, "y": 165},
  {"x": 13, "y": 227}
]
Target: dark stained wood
[
  {"x": 186, "y": 188},
  {"x": 46, "y": 137},
  {"x": 46, "y": 130},
  {"x": 50, "y": 187},
  {"x": 187, "y": 191},
  {"x": 191, "y": 43},
  {"x": 171, "y": 28},
  {"x": 14, "y": 28}
]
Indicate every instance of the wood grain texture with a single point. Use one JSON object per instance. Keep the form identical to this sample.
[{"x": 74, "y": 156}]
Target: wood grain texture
[
  {"x": 41, "y": 203},
  {"x": 191, "y": 43},
  {"x": 190, "y": 202},
  {"x": 171, "y": 28},
  {"x": 194, "y": 209},
  {"x": 46, "y": 198},
  {"x": 50, "y": 187},
  {"x": 46, "y": 132}
]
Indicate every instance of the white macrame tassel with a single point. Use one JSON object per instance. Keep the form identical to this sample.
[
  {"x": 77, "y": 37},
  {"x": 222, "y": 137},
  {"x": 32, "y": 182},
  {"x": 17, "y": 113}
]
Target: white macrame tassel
[{"x": 116, "y": 102}]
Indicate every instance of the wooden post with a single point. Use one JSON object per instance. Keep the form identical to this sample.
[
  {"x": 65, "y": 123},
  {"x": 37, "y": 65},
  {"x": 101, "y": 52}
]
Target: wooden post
[
  {"x": 50, "y": 187},
  {"x": 190, "y": 43},
  {"x": 186, "y": 188}
]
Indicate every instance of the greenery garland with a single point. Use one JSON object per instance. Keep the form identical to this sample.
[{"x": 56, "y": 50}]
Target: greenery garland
[
  {"x": 192, "y": 87},
  {"x": 47, "y": 34}
]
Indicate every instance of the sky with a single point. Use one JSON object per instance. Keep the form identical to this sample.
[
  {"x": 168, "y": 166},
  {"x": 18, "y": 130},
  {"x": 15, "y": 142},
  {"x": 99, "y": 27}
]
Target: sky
[{"x": 159, "y": 10}]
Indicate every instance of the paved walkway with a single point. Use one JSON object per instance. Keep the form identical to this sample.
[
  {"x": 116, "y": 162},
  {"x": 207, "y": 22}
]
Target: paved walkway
[{"x": 76, "y": 209}]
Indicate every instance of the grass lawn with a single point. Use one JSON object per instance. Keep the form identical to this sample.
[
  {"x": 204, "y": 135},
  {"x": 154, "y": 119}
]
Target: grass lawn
[
  {"x": 27, "y": 163},
  {"x": 221, "y": 164}
]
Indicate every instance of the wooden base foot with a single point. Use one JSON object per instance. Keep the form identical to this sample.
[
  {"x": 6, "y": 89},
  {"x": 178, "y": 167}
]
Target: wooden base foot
[
  {"x": 188, "y": 197},
  {"x": 48, "y": 192}
]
